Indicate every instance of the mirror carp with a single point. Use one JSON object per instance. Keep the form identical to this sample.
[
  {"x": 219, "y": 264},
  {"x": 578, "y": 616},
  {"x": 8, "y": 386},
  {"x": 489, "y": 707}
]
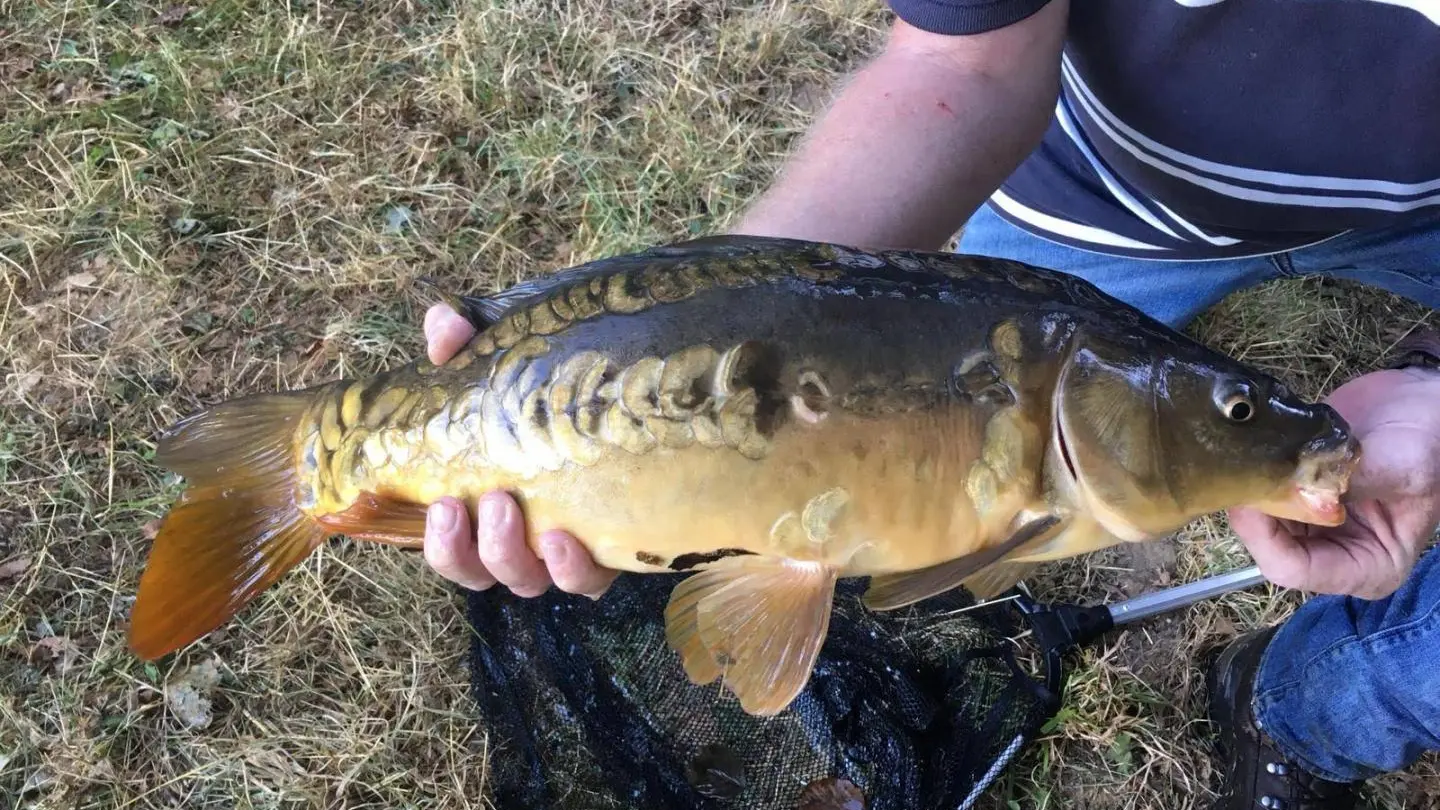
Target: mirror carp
[{"x": 765, "y": 416}]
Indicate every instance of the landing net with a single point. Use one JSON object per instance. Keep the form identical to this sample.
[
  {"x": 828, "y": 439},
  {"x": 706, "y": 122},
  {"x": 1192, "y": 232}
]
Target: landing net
[{"x": 588, "y": 708}]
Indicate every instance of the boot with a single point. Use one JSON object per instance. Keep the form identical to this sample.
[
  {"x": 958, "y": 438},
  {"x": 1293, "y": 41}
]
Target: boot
[{"x": 1256, "y": 776}]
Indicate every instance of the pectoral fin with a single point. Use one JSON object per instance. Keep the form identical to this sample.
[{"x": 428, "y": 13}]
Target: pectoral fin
[
  {"x": 1079, "y": 537},
  {"x": 758, "y": 622},
  {"x": 997, "y": 579},
  {"x": 891, "y": 591}
]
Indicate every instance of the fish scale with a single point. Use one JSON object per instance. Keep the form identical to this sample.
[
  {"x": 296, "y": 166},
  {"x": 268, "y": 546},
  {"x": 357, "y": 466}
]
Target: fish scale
[{"x": 767, "y": 416}]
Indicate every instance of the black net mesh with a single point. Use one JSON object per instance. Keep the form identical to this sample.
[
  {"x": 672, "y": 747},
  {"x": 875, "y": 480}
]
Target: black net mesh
[{"x": 588, "y": 708}]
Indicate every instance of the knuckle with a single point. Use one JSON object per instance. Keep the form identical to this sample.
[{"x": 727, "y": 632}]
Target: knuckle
[
  {"x": 496, "y": 541},
  {"x": 502, "y": 551}
]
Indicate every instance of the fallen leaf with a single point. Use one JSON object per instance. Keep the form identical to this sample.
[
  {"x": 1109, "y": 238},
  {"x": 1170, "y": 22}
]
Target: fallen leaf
[
  {"x": 60, "y": 650},
  {"x": 832, "y": 793},
  {"x": 38, "y": 781},
  {"x": 188, "y": 696},
  {"x": 78, "y": 280},
  {"x": 151, "y": 529},
  {"x": 229, "y": 108},
  {"x": 22, "y": 383},
  {"x": 20, "y": 66},
  {"x": 283, "y": 196},
  {"x": 1224, "y": 628},
  {"x": 173, "y": 15},
  {"x": 199, "y": 378},
  {"x": 14, "y": 568},
  {"x": 398, "y": 218},
  {"x": 184, "y": 225}
]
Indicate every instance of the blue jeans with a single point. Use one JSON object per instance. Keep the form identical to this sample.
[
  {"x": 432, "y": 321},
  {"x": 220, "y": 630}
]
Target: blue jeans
[{"x": 1348, "y": 688}]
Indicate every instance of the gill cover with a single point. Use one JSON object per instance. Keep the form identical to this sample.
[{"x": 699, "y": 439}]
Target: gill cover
[{"x": 1107, "y": 407}]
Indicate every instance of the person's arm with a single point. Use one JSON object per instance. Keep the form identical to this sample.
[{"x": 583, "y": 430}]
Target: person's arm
[
  {"x": 920, "y": 137},
  {"x": 909, "y": 148}
]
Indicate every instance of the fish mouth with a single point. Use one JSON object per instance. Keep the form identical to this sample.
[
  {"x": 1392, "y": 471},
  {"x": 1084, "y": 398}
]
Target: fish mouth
[
  {"x": 1305, "y": 504},
  {"x": 1315, "y": 493}
]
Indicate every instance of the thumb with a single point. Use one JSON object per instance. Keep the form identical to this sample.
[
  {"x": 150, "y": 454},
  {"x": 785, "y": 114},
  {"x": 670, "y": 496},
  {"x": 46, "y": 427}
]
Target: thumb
[
  {"x": 1281, "y": 557},
  {"x": 1391, "y": 465}
]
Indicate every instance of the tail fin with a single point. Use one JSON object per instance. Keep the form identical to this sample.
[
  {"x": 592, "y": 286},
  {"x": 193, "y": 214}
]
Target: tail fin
[{"x": 234, "y": 531}]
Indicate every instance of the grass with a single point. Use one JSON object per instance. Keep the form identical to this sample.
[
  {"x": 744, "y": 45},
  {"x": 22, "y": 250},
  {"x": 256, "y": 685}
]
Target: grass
[{"x": 200, "y": 200}]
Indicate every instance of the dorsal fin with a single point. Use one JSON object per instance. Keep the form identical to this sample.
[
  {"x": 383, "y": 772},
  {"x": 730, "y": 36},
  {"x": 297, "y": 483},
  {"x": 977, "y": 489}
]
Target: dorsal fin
[
  {"x": 482, "y": 311},
  {"x": 731, "y": 244}
]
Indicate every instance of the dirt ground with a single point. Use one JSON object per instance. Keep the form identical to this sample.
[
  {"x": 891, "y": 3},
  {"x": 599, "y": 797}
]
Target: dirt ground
[{"x": 199, "y": 200}]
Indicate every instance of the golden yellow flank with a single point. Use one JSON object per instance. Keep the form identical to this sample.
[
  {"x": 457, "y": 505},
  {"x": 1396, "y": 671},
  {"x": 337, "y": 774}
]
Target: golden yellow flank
[{"x": 770, "y": 415}]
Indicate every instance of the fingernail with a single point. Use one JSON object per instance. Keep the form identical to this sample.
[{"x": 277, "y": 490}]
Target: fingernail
[
  {"x": 552, "y": 549},
  {"x": 441, "y": 517},
  {"x": 492, "y": 511}
]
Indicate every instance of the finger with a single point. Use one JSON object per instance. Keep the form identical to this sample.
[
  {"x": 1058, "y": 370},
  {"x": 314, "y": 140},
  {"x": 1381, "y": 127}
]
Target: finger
[
  {"x": 1282, "y": 558},
  {"x": 572, "y": 567},
  {"x": 503, "y": 548},
  {"x": 1392, "y": 465},
  {"x": 450, "y": 548},
  {"x": 445, "y": 333}
]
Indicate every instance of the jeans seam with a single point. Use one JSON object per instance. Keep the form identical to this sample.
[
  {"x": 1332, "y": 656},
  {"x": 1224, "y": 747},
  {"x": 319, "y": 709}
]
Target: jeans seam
[
  {"x": 1265, "y": 699},
  {"x": 1284, "y": 264},
  {"x": 1413, "y": 276}
]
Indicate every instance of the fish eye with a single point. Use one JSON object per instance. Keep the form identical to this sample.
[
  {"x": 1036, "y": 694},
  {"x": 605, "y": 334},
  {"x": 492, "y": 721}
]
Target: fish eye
[
  {"x": 1238, "y": 408},
  {"x": 1237, "y": 402}
]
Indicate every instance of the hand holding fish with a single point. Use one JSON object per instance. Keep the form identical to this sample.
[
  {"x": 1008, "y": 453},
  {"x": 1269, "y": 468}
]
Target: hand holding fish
[
  {"x": 1394, "y": 500},
  {"x": 496, "y": 551}
]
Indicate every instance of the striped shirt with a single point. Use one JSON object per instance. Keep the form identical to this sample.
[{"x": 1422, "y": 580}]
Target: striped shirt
[{"x": 1195, "y": 129}]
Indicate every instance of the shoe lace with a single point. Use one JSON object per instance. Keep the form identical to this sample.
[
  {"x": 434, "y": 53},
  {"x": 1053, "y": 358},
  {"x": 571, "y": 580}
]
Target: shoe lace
[{"x": 1283, "y": 786}]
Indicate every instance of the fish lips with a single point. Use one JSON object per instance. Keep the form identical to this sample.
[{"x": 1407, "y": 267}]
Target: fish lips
[{"x": 1326, "y": 463}]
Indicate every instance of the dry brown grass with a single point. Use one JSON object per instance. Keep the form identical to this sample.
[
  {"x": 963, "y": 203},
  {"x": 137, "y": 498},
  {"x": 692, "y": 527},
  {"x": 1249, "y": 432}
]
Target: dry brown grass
[{"x": 201, "y": 200}]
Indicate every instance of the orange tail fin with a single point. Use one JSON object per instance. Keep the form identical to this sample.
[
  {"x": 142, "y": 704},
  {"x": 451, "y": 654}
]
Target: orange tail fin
[{"x": 234, "y": 531}]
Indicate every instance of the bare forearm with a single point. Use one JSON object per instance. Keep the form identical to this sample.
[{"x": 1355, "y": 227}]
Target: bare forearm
[{"x": 918, "y": 139}]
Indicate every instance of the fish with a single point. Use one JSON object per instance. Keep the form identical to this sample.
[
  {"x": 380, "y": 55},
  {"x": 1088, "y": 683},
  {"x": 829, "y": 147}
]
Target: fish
[{"x": 761, "y": 416}]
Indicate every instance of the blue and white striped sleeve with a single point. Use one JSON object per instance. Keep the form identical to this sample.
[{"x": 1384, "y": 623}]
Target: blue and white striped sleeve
[{"x": 953, "y": 17}]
